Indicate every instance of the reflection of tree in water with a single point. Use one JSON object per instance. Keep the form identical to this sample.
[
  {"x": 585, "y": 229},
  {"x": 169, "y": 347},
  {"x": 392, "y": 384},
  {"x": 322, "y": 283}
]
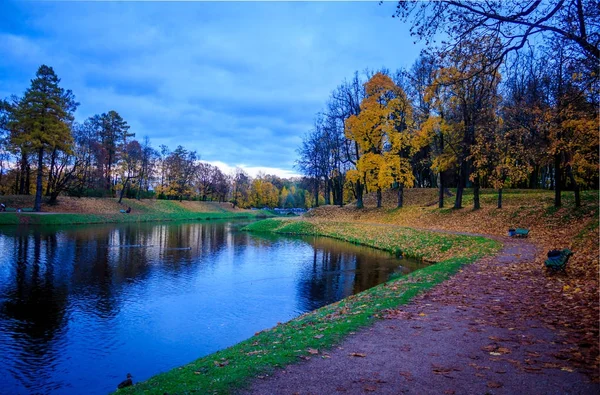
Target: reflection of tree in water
[
  {"x": 324, "y": 282},
  {"x": 93, "y": 274},
  {"x": 181, "y": 245},
  {"x": 339, "y": 270},
  {"x": 35, "y": 305}
]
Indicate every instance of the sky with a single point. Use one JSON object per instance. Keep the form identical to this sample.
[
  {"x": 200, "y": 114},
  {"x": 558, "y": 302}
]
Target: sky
[{"x": 239, "y": 82}]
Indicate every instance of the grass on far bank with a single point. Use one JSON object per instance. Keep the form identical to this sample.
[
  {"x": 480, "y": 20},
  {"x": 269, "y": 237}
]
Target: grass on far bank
[
  {"x": 310, "y": 335},
  {"x": 75, "y": 219},
  {"x": 75, "y": 211}
]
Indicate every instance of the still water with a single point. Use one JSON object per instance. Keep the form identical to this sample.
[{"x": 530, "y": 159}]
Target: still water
[{"x": 81, "y": 307}]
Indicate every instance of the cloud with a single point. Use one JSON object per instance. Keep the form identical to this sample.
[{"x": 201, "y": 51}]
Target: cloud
[
  {"x": 253, "y": 171},
  {"x": 238, "y": 82}
]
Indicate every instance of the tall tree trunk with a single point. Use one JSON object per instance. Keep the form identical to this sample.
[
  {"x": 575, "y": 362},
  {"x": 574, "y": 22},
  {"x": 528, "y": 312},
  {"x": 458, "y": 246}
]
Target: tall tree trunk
[
  {"x": 575, "y": 187},
  {"x": 327, "y": 191},
  {"x": 316, "y": 192},
  {"x": 108, "y": 171},
  {"x": 38, "y": 183},
  {"x": 379, "y": 197},
  {"x": 441, "y": 192},
  {"x": 400, "y": 195},
  {"x": 557, "y": 181},
  {"x": 53, "y": 197},
  {"x": 533, "y": 180},
  {"x": 499, "y": 197},
  {"x": 123, "y": 189},
  {"x": 337, "y": 193},
  {"x": 359, "y": 195},
  {"x": 476, "y": 202},
  {"x": 51, "y": 173},
  {"x": 27, "y": 179},
  {"x": 23, "y": 172},
  {"x": 461, "y": 184}
]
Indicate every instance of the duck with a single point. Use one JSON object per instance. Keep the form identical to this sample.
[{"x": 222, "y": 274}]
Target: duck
[{"x": 126, "y": 383}]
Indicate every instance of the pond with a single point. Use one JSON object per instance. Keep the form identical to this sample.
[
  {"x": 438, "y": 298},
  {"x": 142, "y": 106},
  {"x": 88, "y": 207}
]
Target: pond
[{"x": 80, "y": 307}]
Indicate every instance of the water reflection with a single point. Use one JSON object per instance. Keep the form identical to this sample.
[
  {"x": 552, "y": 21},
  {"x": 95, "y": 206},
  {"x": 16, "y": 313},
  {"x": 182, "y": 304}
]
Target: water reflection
[{"x": 82, "y": 306}]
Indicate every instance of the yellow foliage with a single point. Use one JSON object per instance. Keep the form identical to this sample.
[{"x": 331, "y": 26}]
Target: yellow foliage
[{"x": 384, "y": 133}]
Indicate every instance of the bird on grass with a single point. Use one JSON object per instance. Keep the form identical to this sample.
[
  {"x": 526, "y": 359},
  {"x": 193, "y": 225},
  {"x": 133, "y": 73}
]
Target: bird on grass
[{"x": 126, "y": 383}]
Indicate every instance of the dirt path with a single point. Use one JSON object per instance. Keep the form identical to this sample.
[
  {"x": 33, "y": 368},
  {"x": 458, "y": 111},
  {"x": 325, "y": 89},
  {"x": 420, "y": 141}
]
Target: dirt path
[{"x": 483, "y": 331}]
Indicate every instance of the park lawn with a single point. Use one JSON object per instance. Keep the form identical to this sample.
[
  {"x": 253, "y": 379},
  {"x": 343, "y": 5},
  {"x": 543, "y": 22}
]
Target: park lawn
[{"x": 310, "y": 335}]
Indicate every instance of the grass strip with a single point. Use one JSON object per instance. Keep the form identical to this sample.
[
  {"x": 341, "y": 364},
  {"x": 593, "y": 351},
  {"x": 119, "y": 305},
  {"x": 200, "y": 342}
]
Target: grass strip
[
  {"x": 76, "y": 219},
  {"x": 310, "y": 334}
]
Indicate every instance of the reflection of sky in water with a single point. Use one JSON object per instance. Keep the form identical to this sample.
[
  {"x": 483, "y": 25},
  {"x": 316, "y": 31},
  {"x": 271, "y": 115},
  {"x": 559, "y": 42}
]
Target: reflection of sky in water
[{"x": 83, "y": 306}]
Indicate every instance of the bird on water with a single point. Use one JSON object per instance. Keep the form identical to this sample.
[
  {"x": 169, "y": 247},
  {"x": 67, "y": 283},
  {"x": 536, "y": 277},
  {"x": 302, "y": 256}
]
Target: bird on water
[{"x": 126, "y": 383}]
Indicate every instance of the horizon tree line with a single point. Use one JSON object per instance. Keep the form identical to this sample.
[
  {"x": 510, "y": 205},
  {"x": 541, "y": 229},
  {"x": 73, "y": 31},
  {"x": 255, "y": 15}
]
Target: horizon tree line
[{"x": 44, "y": 152}]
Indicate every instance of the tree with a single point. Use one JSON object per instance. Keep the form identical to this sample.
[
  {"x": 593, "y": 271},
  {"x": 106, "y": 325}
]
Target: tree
[
  {"x": 84, "y": 151},
  {"x": 43, "y": 117},
  {"x": 5, "y": 117},
  {"x": 113, "y": 135},
  {"x": 345, "y": 102},
  {"x": 501, "y": 158},
  {"x": 514, "y": 22},
  {"x": 181, "y": 166},
  {"x": 221, "y": 184},
  {"x": 416, "y": 83},
  {"x": 130, "y": 166},
  {"x": 147, "y": 167},
  {"x": 263, "y": 193},
  {"x": 472, "y": 100},
  {"x": 314, "y": 157},
  {"x": 380, "y": 131},
  {"x": 400, "y": 145},
  {"x": 63, "y": 173},
  {"x": 17, "y": 143},
  {"x": 241, "y": 187}
]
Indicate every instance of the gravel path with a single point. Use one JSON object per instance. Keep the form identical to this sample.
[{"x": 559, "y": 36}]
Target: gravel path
[{"x": 480, "y": 332}]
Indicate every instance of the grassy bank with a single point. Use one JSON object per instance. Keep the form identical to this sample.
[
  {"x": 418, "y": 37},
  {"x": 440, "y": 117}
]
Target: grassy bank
[
  {"x": 570, "y": 227},
  {"x": 76, "y": 219},
  {"x": 73, "y": 211},
  {"x": 310, "y": 335}
]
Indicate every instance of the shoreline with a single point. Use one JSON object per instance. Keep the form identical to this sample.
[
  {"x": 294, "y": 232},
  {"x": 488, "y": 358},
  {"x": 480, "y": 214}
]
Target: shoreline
[{"x": 308, "y": 335}]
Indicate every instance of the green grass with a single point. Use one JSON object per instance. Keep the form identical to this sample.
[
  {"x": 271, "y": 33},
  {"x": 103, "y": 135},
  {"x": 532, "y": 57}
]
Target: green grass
[
  {"x": 414, "y": 243},
  {"x": 290, "y": 342},
  {"x": 75, "y": 219}
]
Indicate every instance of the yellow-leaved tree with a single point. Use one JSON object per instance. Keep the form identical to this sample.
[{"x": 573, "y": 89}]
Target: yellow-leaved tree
[{"x": 382, "y": 131}]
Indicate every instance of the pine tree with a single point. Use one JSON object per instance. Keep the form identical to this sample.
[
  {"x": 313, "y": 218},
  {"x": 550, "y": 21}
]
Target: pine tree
[{"x": 45, "y": 114}]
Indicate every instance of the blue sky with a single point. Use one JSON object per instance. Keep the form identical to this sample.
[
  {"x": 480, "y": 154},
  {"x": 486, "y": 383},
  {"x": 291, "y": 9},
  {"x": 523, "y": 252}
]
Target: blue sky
[{"x": 238, "y": 82}]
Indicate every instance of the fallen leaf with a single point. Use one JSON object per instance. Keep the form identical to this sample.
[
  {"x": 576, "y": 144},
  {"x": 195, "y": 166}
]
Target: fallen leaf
[
  {"x": 357, "y": 354},
  {"x": 494, "y": 384}
]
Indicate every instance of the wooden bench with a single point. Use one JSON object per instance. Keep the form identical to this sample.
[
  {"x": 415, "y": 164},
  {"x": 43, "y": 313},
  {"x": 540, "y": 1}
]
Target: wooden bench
[
  {"x": 519, "y": 232},
  {"x": 557, "y": 260}
]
